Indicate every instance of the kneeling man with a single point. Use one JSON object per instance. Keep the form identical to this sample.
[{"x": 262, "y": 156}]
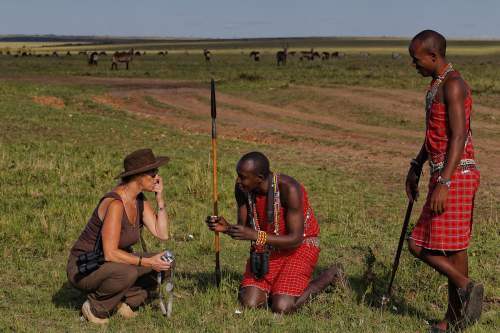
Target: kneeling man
[{"x": 275, "y": 215}]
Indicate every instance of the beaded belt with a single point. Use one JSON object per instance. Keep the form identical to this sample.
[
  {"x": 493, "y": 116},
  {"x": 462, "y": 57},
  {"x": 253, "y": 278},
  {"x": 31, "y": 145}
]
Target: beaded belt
[
  {"x": 314, "y": 241},
  {"x": 464, "y": 164}
]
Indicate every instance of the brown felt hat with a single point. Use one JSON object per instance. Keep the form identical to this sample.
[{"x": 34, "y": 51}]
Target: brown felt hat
[{"x": 140, "y": 161}]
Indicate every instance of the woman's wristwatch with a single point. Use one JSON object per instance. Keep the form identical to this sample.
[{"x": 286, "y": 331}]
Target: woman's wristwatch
[{"x": 444, "y": 181}]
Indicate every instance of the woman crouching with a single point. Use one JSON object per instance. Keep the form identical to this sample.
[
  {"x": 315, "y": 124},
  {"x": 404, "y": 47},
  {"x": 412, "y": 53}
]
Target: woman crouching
[{"x": 122, "y": 279}]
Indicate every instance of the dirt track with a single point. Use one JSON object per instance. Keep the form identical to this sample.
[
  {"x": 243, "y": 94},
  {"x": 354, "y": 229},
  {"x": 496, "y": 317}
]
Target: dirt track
[{"x": 329, "y": 125}]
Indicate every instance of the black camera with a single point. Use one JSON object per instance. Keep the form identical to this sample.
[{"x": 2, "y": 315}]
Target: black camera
[{"x": 89, "y": 262}]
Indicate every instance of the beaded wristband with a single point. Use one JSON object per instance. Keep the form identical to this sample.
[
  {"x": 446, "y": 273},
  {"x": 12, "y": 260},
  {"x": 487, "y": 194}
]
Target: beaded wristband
[{"x": 261, "y": 238}]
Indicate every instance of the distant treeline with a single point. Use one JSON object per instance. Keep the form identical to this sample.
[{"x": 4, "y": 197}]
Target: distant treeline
[{"x": 218, "y": 43}]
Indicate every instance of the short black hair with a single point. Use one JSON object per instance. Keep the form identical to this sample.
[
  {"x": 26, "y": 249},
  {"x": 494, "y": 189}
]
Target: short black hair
[
  {"x": 259, "y": 161},
  {"x": 432, "y": 40}
]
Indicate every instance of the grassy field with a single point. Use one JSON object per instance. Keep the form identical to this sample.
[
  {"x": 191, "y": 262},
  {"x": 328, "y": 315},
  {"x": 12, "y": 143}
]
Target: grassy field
[{"x": 57, "y": 159}]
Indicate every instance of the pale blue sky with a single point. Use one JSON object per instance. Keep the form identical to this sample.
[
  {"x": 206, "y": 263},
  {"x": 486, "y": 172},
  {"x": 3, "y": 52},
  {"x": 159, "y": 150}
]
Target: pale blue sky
[{"x": 257, "y": 18}]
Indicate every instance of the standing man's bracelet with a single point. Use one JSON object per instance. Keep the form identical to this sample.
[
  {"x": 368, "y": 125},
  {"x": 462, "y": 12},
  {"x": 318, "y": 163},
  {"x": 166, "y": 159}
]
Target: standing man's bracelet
[{"x": 444, "y": 181}]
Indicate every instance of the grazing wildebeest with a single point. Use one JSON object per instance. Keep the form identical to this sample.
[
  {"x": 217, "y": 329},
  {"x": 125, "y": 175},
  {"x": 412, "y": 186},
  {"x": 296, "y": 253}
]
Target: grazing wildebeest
[
  {"x": 309, "y": 55},
  {"x": 161, "y": 53},
  {"x": 396, "y": 55},
  {"x": 292, "y": 53},
  {"x": 24, "y": 54},
  {"x": 338, "y": 54},
  {"x": 68, "y": 54},
  {"x": 55, "y": 54},
  {"x": 325, "y": 55},
  {"x": 103, "y": 53},
  {"x": 93, "y": 58},
  {"x": 281, "y": 56},
  {"x": 125, "y": 57},
  {"x": 137, "y": 53},
  {"x": 255, "y": 55},
  {"x": 207, "y": 55},
  {"x": 7, "y": 52}
]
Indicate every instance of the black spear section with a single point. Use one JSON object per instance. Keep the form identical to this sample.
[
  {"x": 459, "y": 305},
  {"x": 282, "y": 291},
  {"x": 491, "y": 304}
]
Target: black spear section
[
  {"x": 386, "y": 298},
  {"x": 213, "y": 110}
]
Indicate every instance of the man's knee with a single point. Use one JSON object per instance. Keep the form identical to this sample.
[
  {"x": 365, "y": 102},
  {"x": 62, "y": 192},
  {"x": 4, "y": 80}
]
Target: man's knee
[
  {"x": 282, "y": 306},
  {"x": 249, "y": 302},
  {"x": 414, "y": 248},
  {"x": 250, "y": 298}
]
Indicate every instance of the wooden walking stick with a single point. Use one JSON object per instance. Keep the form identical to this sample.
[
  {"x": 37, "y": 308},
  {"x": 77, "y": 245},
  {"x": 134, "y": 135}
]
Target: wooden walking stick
[
  {"x": 213, "y": 109},
  {"x": 387, "y": 296}
]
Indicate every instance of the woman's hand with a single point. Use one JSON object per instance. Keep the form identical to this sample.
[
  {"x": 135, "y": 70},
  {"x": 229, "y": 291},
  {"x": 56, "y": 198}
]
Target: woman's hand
[
  {"x": 217, "y": 223},
  {"x": 241, "y": 232},
  {"x": 157, "y": 263},
  {"x": 158, "y": 185}
]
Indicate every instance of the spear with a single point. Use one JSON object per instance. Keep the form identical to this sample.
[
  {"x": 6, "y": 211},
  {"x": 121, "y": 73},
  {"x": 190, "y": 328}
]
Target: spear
[
  {"x": 387, "y": 296},
  {"x": 213, "y": 109}
]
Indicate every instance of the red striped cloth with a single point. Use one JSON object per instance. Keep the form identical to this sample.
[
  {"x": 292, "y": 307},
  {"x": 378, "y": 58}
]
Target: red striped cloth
[
  {"x": 450, "y": 231},
  {"x": 289, "y": 271}
]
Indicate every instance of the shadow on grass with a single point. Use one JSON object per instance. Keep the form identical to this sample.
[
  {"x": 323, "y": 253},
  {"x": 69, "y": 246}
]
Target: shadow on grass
[
  {"x": 68, "y": 297},
  {"x": 369, "y": 289},
  {"x": 203, "y": 281}
]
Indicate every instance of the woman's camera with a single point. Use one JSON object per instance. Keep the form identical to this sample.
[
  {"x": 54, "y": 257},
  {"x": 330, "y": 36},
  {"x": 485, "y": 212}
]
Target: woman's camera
[{"x": 168, "y": 257}]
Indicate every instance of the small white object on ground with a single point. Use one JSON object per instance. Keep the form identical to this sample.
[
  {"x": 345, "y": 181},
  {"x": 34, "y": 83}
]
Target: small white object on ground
[{"x": 237, "y": 311}]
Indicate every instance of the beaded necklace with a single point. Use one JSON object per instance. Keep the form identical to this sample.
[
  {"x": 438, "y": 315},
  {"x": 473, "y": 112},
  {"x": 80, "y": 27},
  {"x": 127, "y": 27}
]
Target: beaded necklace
[
  {"x": 276, "y": 207},
  {"x": 431, "y": 93}
]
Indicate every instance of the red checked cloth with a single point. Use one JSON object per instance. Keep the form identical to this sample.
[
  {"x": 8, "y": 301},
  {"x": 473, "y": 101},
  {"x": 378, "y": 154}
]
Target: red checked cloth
[
  {"x": 436, "y": 133},
  {"x": 450, "y": 231},
  {"x": 289, "y": 270}
]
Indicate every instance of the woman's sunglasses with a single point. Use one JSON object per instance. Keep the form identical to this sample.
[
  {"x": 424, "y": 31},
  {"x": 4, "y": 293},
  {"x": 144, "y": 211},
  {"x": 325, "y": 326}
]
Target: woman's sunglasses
[{"x": 152, "y": 173}]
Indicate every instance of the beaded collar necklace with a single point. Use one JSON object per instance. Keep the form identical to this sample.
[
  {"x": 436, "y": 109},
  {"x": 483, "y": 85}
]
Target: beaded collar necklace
[
  {"x": 275, "y": 211},
  {"x": 431, "y": 93}
]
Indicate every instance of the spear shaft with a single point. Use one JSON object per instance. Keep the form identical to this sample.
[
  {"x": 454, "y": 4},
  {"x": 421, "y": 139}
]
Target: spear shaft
[
  {"x": 395, "y": 264},
  {"x": 213, "y": 109}
]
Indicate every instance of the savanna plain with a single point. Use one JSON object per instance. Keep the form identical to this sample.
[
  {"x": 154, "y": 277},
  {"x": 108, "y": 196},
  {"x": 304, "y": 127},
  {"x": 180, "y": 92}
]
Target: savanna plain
[{"x": 345, "y": 127}]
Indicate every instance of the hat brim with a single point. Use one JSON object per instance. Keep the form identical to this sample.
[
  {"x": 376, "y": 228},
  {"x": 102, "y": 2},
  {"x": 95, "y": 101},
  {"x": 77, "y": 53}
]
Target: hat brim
[{"x": 160, "y": 160}]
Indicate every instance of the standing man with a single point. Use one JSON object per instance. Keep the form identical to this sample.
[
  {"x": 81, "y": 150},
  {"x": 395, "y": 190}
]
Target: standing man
[
  {"x": 275, "y": 215},
  {"x": 442, "y": 234}
]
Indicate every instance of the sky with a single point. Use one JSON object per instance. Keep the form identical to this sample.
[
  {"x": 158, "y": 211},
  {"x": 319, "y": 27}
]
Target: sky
[{"x": 251, "y": 18}]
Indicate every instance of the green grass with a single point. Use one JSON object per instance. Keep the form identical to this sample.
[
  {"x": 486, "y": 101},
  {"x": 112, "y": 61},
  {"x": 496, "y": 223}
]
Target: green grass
[
  {"x": 56, "y": 163},
  {"x": 238, "y": 74}
]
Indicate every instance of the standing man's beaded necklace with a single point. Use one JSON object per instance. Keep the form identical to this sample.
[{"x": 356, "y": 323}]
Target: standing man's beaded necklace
[{"x": 431, "y": 94}]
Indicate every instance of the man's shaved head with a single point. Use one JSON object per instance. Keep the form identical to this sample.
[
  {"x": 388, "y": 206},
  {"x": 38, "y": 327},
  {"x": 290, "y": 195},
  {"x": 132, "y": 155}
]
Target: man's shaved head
[
  {"x": 256, "y": 162},
  {"x": 432, "y": 41}
]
